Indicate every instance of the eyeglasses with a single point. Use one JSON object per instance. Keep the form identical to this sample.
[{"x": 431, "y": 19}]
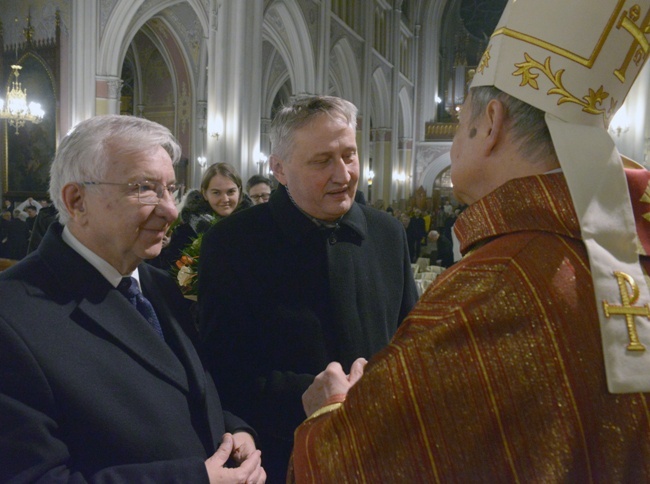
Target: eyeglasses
[
  {"x": 149, "y": 193},
  {"x": 261, "y": 196}
]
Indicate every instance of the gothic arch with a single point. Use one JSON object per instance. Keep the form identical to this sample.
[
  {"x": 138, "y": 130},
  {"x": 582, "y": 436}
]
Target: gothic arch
[
  {"x": 125, "y": 21},
  {"x": 284, "y": 27},
  {"x": 431, "y": 172},
  {"x": 275, "y": 75},
  {"x": 406, "y": 111},
  {"x": 344, "y": 72},
  {"x": 380, "y": 97},
  {"x": 429, "y": 61}
]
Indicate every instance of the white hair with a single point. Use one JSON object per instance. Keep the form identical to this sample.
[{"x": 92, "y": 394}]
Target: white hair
[{"x": 87, "y": 151}]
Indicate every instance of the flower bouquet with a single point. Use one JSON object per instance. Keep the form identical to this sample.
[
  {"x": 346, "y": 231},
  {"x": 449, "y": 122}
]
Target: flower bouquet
[{"x": 186, "y": 268}]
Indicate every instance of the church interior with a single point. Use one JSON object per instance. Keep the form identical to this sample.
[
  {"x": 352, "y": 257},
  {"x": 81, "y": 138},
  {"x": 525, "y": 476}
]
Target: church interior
[{"x": 215, "y": 71}]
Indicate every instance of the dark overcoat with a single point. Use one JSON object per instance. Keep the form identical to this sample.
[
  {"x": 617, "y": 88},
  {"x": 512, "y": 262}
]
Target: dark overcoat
[
  {"x": 88, "y": 391},
  {"x": 280, "y": 298}
]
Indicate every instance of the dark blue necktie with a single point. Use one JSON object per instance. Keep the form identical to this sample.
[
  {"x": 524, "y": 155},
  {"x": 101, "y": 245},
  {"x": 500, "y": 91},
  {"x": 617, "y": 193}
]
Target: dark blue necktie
[{"x": 129, "y": 287}]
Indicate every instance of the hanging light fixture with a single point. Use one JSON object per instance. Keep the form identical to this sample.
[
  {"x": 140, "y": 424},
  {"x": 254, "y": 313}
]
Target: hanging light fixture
[{"x": 15, "y": 109}]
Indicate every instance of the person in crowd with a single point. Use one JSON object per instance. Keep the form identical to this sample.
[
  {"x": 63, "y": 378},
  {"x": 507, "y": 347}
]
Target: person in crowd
[
  {"x": 441, "y": 217},
  {"x": 415, "y": 231},
  {"x": 220, "y": 195},
  {"x": 444, "y": 249},
  {"x": 31, "y": 212},
  {"x": 46, "y": 216},
  {"x": 29, "y": 202},
  {"x": 20, "y": 215},
  {"x": 450, "y": 220},
  {"x": 258, "y": 188},
  {"x": 222, "y": 188},
  {"x": 527, "y": 360},
  {"x": 8, "y": 205},
  {"x": 311, "y": 276},
  {"x": 5, "y": 218},
  {"x": 15, "y": 236},
  {"x": 100, "y": 379}
]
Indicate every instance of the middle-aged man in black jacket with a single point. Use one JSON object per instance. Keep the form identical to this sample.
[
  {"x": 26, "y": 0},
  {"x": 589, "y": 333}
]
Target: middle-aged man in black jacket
[
  {"x": 310, "y": 277},
  {"x": 97, "y": 384}
]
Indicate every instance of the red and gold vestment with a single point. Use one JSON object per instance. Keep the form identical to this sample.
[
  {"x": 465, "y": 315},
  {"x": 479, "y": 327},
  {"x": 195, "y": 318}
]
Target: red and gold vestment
[{"x": 497, "y": 374}]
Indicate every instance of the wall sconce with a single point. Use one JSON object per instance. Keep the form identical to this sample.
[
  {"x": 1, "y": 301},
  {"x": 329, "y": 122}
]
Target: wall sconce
[
  {"x": 400, "y": 177},
  {"x": 261, "y": 161},
  {"x": 371, "y": 176},
  {"x": 202, "y": 161},
  {"x": 215, "y": 127}
]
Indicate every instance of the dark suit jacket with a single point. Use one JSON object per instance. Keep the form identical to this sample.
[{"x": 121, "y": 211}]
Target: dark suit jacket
[
  {"x": 87, "y": 389},
  {"x": 282, "y": 298}
]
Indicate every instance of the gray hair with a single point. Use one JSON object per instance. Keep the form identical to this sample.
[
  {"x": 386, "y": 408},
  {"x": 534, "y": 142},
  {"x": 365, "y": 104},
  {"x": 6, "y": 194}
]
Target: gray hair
[
  {"x": 87, "y": 151},
  {"x": 301, "y": 112},
  {"x": 527, "y": 124}
]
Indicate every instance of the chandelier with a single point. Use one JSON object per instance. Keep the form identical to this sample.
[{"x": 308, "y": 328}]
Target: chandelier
[{"x": 15, "y": 109}]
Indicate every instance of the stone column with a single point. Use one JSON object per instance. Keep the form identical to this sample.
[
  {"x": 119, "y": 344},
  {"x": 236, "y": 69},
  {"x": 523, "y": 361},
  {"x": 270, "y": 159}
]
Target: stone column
[
  {"x": 395, "y": 33},
  {"x": 83, "y": 55},
  {"x": 108, "y": 89},
  {"x": 234, "y": 84}
]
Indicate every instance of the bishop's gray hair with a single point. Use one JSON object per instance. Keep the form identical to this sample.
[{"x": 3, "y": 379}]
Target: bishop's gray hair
[{"x": 526, "y": 122}]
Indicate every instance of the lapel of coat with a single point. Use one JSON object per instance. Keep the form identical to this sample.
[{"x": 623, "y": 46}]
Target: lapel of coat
[
  {"x": 176, "y": 324},
  {"x": 96, "y": 304}
]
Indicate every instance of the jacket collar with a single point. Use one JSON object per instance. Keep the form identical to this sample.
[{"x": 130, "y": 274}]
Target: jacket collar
[
  {"x": 93, "y": 300},
  {"x": 295, "y": 225},
  {"x": 539, "y": 203}
]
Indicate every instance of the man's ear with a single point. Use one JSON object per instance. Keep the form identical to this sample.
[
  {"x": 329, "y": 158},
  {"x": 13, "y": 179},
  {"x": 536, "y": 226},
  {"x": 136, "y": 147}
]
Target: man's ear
[
  {"x": 73, "y": 195},
  {"x": 277, "y": 166},
  {"x": 495, "y": 117}
]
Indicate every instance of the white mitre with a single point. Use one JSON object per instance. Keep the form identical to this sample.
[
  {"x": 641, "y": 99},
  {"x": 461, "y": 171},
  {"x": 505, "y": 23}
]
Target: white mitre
[{"x": 576, "y": 61}]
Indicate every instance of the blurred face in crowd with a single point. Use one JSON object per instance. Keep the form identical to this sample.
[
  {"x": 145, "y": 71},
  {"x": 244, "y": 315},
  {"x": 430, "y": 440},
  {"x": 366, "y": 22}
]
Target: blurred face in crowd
[
  {"x": 260, "y": 193},
  {"x": 222, "y": 194},
  {"x": 322, "y": 170},
  {"x": 112, "y": 221}
]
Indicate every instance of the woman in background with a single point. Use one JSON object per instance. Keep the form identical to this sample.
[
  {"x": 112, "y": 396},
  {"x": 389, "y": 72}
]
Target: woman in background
[{"x": 219, "y": 196}]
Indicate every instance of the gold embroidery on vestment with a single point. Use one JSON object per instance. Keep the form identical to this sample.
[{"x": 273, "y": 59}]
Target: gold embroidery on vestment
[
  {"x": 628, "y": 309},
  {"x": 640, "y": 45},
  {"x": 645, "y": 198},
  {"x": 589, "y": 101}
]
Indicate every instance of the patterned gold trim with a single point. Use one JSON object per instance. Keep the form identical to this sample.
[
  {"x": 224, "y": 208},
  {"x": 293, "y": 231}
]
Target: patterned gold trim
[
  {"x": 585, "y": 61},
  {"x": 485, "y": 60},
  {"x": 325, "y": 409},
  {"x": 589, "y": 102}
]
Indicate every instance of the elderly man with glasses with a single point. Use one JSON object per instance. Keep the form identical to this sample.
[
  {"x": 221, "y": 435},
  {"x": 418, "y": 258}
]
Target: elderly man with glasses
[{"x": 99, "y": 375}]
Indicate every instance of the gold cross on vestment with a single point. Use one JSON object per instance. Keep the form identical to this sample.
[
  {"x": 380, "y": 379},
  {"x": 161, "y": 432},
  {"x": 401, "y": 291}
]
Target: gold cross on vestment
[
  {"x": 640, "y": 45},
  {"x": 628, "y": 309}
]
